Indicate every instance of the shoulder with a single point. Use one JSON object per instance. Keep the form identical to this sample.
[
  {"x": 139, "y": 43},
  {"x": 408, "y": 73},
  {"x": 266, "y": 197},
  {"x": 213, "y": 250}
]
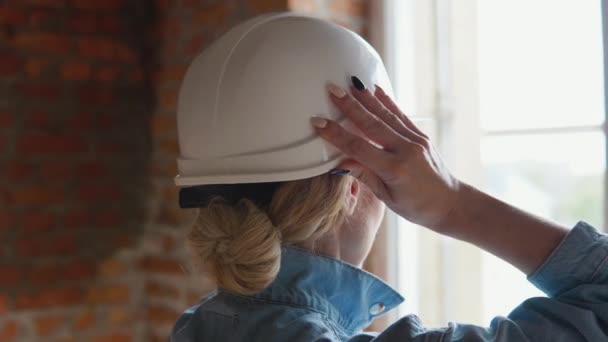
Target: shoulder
[{"x": 229, "y": 317}]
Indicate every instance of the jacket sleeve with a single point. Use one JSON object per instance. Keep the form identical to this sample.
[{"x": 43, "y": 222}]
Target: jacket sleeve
[{"x": 575, "y": 278}]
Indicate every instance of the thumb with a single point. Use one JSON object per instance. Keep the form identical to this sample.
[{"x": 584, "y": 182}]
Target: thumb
[{"x": 367, "y": 177}]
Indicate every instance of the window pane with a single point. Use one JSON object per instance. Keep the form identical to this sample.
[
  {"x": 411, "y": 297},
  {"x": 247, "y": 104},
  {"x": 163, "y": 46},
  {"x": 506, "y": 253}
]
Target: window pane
[
  {"x": 540, "y": 63},
  {"x": 559, "y": 176}
]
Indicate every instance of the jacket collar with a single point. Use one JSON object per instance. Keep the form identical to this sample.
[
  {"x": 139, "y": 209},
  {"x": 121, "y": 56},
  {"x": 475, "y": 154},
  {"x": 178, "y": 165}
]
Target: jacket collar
[{"x": 349, "y": 296}]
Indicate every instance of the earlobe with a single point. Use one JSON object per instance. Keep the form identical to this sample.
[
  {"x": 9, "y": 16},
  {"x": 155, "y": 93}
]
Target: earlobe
[{"x": 353, "y": 195}]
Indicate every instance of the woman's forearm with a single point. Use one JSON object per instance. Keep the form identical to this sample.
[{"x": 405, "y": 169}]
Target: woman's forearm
[{"x": 522, "y": 239}]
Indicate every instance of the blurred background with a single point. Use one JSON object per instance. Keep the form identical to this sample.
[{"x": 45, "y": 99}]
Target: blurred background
[{"x": 92, "y": 239}]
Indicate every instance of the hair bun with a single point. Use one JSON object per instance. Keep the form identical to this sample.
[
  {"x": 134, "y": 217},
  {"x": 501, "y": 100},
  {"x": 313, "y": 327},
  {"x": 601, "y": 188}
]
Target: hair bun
[{"x": 239, "y": 243}]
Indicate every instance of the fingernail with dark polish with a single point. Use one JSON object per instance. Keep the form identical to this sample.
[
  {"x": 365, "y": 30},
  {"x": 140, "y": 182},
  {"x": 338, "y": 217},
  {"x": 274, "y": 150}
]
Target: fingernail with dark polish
[
  {"x": 339, "y": 172},
  {"x": 357, "y": 83}
]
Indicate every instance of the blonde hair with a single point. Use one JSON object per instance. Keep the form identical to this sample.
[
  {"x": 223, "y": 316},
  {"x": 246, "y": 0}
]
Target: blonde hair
[{"x": 240, "y": 244}]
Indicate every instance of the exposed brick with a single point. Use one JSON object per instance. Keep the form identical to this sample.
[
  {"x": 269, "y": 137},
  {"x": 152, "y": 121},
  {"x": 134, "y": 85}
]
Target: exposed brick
[
  {"x": 108, "y": 294},
  {"x": 111, "y": 24},
  {"x": 155, "y": 290},
  {"x": 96, "y": 96},
  {"x": 46, "y": 143},
  {"x": 36, "y": 222},
  {"x": 17, "y": 171},
  {"x": 161, "y": 315},
  {"x": 120, "y": 316},
  {"x": 3, "y": 304},
  {"x": 267, "y": 5},
  {"x": 38, "y": 195},
  {"x": 105, "y": 5},
  {"x": 6, "y": 120},
  {"x": 81, "y": 122},
  {"x": 39, "y": 91},
  {"x": 8, "y": 330},
  {"x": 49, "y": 298},
  {"x": 46, "y": 3},
  {"x": 91, "y": 169},
  {"x": 10, "y": 65},
  {"x": 56, "y": 170},
  {"x": 353, "y": 8},
  {"x": 79, "y": 270},
  {"x": 76, "y": 219},
  {"x": 7, "y": 220},
  {"x": 107, "y": 73},
  {"x": 12, "y": 16},
  {"x": 136, "y": 75},
  {"x": 99, "y": 193},
  {"x": 114, "y": 337},
  {"x": 163, "y": 125},
  {"x": 39, "y": 18},
  {"x": 9, "y": 275},
  {"x": 47, "y": 325},
  {"x": 170, "y": 73},
  {"x": 85, "y": 320},
  {"x": 106, "y": 49},
  {"x": 213, "y": 14},
  {"x": 45, "y": 274},
  {"x": 43, "y": 41},
  {"x": 112, "y": 268},
  {"x": 35, "y": 67},
  {"x": 36, "y": 246},
  {"x": 38, "y": 118},
  {"x": 76, "y": 71},
  {"x": 83, "y": 23},
  {"x": 161, "y": 265}
]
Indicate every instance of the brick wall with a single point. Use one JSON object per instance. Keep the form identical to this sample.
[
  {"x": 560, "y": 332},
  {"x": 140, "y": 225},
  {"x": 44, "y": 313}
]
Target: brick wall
[{"x": 91, "y": 235}]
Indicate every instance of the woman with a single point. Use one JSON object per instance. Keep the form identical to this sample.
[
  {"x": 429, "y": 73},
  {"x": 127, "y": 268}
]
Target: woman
[{"x": 287, "y": 252}]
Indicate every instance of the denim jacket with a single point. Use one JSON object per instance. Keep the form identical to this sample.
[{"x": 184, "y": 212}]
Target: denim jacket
[{"x": 316, "y": 298}]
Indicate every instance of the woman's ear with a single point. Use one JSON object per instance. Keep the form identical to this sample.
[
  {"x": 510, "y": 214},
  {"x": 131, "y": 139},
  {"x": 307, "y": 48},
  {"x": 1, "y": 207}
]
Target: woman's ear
[{"x": 353, "y": 195}]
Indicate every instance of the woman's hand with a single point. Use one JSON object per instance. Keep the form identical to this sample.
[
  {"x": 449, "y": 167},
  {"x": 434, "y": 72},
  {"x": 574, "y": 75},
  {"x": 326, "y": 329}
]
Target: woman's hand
[{"x": 406, "y": 171}]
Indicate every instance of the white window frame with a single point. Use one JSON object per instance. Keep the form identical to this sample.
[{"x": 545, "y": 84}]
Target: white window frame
[{"x": 445, "y": 54}]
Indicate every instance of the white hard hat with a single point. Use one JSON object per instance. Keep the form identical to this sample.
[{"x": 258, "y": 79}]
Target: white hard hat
[{"x": 245, "y": 103}]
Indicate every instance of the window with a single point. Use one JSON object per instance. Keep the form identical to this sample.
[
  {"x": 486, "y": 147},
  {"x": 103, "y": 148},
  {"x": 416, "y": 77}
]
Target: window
[{"x": 512, "y": 92}]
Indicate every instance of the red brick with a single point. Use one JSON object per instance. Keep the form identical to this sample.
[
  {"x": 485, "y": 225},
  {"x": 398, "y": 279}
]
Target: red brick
[
  {"x": 120, "y": 316},
  {"x": 160, "y": 265},
  {"x": 39, "y": 18},
  {"x": 155, "y": 290},
  {"x": 91, "y": 169},
  {"x": 83, "y": 23},
  {"x": 79, "y": 270},
  {"x": 43, "y": 42},
  {"x": 113, "y": 337},
  {"x": 49, "y": 298},
  {"x": 76, "y": 71},
  {"x": 3, "y": 304},
  {"x": 161, "y": 315},
  {"x": 46, "y": 3},
  {"x": 80, "y": 122},
  {"x": 9, "y": 275},
  {"x": 108, "y": 294},
  {"x": 109, "y": 218},
  {"x": 76, "y": 219},
  {"x": 46, "y": 274},
  {"x": 97, "y": 5},
  {"x": 33, "y": 222},
  {"x": 8, "y": 330},
  {"x": 99, "y": 192},
  {"x": 10, "y": 65},
  {"x": 7, "y": 220},
  {"x": 35, "y": 67},
  {"x": 84, "y": 321},
  {"x": 195, "y": 45},
  {"x": 262, "y": 6},
  {"x": 107, "y": 73},
  {"x": 38, "y": 118},
  {"x": 112, "y": 268},
  {"x": 352, "y": 8},
  {"x": 96, "y": 96},
  {"x": 48, "y": 325},
  {"x": 6, "y": 120},
  {"x": 163, "y": 125},
  {"x": 107, "y": 49},
  {"x": 136, "y": 75},
  {"x": 39, "y": 92},
  {"x": 56, "y": 170},
  {"x": 213, "y": 14},
  {"x": 12, "y": 16},
  {"x": 111, "y": 24},
  {"x": 38, "y": 195},
  {"x": 19, "y": 171},
  {"x": 170, "y": 73},
  {"x": 46, "y": 143},
  {"x": 36, "y": 247}
]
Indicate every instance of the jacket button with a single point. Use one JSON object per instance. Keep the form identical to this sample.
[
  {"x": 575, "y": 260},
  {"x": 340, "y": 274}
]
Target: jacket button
[{"x": 376, "y": 309}]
